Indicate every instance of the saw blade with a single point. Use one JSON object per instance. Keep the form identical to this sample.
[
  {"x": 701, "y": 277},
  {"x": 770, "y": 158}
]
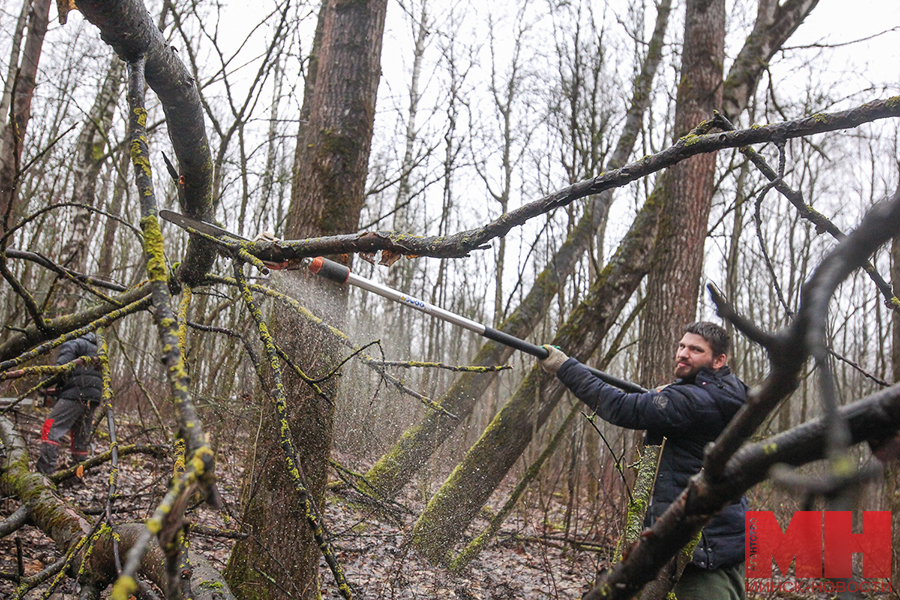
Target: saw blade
[{"x": 201, "y": 226}]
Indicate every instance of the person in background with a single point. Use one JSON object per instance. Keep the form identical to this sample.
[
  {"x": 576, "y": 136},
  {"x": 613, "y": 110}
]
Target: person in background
[{"x": 77, "y": 398}]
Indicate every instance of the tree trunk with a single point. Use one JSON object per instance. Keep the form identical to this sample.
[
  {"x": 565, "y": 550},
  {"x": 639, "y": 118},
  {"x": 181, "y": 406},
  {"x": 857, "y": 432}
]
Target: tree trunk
[
  {"x": 327, "y": 197},
  {"x": 415, "y": 446},
  {"x": 90, "y": 151},
  {"x": 120, "y": 191},
  {"x": 12, "y": 136},
  {"x": 674, "y": 281}
]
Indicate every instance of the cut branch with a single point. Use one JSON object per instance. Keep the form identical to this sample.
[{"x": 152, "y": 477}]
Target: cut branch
[{"x": 462, "y": 243}]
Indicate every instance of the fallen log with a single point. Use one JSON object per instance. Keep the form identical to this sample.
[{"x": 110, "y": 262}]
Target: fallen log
[{"x": 65, "y": 525}]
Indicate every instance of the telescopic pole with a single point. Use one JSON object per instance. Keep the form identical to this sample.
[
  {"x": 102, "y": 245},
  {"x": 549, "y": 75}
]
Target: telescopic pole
[{"x": 341, "y": 274}]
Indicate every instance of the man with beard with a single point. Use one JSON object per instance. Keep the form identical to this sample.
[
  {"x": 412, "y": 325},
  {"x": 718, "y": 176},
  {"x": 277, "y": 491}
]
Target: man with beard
[{"x": 689, "y": 413}]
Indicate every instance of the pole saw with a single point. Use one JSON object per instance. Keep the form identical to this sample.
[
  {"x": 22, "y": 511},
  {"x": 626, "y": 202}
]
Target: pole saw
[{"x": 340, "y": 274}]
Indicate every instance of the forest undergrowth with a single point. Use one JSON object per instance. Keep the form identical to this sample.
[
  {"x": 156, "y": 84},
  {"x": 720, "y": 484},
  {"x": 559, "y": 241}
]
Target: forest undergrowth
[{"x": 531, "y": 557}]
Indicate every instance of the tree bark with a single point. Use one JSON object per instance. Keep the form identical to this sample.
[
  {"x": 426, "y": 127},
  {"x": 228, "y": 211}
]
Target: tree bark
[
  {"x": 326, "y": 199},
  {"x": 12, "y": 136},
  {"x": 674, "y": 282}
]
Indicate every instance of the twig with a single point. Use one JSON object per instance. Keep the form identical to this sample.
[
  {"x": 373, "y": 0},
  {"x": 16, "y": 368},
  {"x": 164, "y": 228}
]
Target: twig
[
  {"x": 46, "y": 209},
  {"x": 856, "y": 366},
  {"x": 413, "y": 364},
  {"x": 757, "y": 217},
  {"x": 287, "y": 443},
  {"x": 213, "y": 532},
  {"x": 103, "y": 457}
]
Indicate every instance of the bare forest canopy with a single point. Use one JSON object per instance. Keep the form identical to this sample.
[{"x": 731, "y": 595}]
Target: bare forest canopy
[{"x": 535, "y": 167}]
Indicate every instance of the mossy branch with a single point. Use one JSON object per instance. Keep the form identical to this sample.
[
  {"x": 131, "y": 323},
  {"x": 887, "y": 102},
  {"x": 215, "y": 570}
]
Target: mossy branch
[
  {"x": 462, "y": 243},
  {"x": 103, "y": 321},
  {"x": 106, "y": 401},
  {"x": 286, "y": 441},
  {"x": 647, "y": 467},
  {"x": 52, "y": 371},
  {"x": 416, "y": 364},
  {"x": 100, "y": 315},
  {"x": 166, "y": 522}
]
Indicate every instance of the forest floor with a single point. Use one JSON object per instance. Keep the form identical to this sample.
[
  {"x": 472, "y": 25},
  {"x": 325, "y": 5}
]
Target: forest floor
[{"x": 529, "y": 559}]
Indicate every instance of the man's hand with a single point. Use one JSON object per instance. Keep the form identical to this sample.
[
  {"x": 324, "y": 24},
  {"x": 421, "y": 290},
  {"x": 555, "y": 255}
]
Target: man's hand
[
  {"x": 554, "y": 361},
  {"x": 266, "y": 236}
]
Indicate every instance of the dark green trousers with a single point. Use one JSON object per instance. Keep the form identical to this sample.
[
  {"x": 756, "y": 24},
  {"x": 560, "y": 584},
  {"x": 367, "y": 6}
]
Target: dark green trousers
[{"x": 726, "y": 583}]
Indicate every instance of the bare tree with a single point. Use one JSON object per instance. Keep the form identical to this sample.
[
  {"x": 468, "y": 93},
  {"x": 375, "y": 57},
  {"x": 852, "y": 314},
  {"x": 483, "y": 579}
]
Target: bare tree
[
  {"x": 224, "y": 313},
  {"x": 674, "y": 281},
  {"x": 326, "y": 199}
]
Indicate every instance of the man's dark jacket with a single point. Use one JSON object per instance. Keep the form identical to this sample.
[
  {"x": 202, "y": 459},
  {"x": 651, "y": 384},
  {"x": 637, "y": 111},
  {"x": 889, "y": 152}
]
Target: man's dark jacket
[
  {"x": 690, "y": 414},
  {"x": 84, "y": 382}
]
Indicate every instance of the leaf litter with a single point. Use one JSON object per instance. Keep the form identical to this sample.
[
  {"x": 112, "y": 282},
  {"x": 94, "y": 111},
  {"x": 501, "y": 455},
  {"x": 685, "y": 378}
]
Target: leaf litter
[{"x": 529, "y": 558}]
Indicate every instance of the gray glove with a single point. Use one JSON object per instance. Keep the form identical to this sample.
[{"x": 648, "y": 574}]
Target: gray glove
[{"x": 552, "y": 363}]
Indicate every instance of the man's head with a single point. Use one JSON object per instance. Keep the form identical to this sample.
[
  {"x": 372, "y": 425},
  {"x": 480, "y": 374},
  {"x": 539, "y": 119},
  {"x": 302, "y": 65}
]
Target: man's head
[{"x": 703, "y": 344}]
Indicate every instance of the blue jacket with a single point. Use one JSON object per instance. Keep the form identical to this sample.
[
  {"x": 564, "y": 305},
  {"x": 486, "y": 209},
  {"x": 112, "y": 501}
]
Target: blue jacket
[
  {"x": 84, "y": 383},
  {"x": 689, "y": 414}
]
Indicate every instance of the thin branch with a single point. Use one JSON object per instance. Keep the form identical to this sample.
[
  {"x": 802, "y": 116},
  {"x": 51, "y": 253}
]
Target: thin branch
[
  {"x": 807, "y": 212},
  {"x": 413, "y": 364},
  {"x": 757, "y": 217},
  {"x": 81, "y": 278}
]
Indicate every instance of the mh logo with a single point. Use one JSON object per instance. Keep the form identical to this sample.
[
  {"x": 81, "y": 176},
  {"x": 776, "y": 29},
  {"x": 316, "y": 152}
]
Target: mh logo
[{"x": 822, "y": 547}]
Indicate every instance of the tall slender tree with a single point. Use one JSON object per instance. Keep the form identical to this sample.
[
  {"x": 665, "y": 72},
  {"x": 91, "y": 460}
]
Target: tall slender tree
[
  {"x": 326, "y": 199},
  {"x": 20, "y": 86},
  {"x": 674, "y": 282}
]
